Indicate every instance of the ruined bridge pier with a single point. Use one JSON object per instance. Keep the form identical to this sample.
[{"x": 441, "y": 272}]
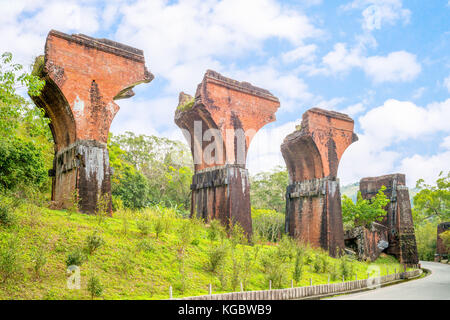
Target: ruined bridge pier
[
  {"x": 398, "y": 220},
  {"x": 313, "y": 200},
  {"x": 83, "y": 76},
  {"x": 219, "y": 124}
]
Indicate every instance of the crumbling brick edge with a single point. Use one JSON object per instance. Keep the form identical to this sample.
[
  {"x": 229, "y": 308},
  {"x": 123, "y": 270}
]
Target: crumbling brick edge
[{"x": 311, "y": 292}]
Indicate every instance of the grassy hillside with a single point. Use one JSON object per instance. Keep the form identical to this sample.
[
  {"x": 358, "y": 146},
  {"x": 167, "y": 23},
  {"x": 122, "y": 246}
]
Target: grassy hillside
[{"x": 135, "y": 263}]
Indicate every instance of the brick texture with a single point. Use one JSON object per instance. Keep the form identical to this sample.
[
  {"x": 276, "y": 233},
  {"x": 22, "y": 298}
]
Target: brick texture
[
  {"x": 83, "y": 77},
  {"x": 236, "y": 111},
  {"x": 313, "y": 201},
  {"x": 398, "y": 220}
]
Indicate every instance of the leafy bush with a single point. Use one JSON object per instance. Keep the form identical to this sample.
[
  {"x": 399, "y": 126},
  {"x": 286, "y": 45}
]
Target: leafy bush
[
  {"x": 93, "y": 242},
  {"x": 75, "y": 258},
  {"x": 268, "y": 224},
  {"x": 146, "y": 245},
  {"x": 298, "y": 264},
  {"x": 215, "y": 230},
  {"x": 39, "y": 259},
  {"x": 126, "y": 262},
  {"x": 426, "y": 234},
  {"x": 143, "y": 226},
  {"x": 7, "y": 216},
  {"x": 346, "y": 267},
  {"x": 216, "y": 257},
  {"x": 21, "y": 163},
  {"x": 10, "y": 264},
  {"x": 364, "y": 211},
  {"x": 274, "y": 268},
  {"x": 268, "y": 190},
  {"x": 94, "y": 286}
]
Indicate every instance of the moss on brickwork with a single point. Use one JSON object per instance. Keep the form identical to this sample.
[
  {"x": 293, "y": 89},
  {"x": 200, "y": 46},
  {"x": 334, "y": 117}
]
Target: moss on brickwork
[
  {"x": 187, "y": 105},
  {"x": 38, "y": 66}
]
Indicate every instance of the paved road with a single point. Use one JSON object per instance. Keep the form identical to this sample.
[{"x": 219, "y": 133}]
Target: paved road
[{"x": 433, "y": 287}]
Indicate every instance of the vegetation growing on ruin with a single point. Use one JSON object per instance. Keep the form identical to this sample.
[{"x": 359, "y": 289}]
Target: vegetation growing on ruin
[
  {"x": 38, "y": 66},
  {"x": 187, "y": 105},
  {"x": 365, "y": 211}
]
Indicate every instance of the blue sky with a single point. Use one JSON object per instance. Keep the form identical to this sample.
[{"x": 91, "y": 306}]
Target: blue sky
[{"x": 384, "y": 62}]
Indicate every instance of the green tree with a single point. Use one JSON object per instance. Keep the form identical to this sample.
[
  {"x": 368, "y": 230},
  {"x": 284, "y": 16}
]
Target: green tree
[
  {"x": 25, "y": 139},
  {"x": 269, "y": 188},
  {"x": 166, "y": 164},
  {"x": 364, "y": 211},
  {"x": 432, "y": 202},
  {"x": 426, "y": 233}
]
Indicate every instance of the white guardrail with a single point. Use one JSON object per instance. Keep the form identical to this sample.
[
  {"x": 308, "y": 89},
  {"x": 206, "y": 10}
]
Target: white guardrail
[{"x": 310, "y": 291}]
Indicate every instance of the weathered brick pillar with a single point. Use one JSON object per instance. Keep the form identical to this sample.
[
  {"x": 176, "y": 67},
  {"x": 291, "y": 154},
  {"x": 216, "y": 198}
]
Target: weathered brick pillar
[
  {"x": 83, "y": 76},
  {"x": 219, "y": 124},
  {"x": 398, "y": 220},
  {"x": 313, "y": 198},
  {"x": 441, "y": 250}
]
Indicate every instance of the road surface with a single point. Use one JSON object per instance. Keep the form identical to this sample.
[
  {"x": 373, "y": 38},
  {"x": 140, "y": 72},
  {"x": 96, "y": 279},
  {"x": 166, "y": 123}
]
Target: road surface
[{"x": 432, "y": 287}]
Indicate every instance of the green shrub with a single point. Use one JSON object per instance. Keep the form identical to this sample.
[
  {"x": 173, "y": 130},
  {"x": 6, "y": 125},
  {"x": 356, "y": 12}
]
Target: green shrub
[
  {"x": 298, "y": 265},
  {"x": 216, "y": 257},
  {"x": 7, "y": 216},
  {"x": 268, "y": 224},
  {"x": 186, "y": 232},
  {"x": 126, "y": 263},
  {"x": 39, "y": 259},
  {"x": 215, "y": 230},
  {"x": 274, "y": 268},
  {"x": 158, "y": 226},
  {"x": 346, "y": 267},
  {"x": 334, "y": 272},
  {"x": 426, "y": 234},
  {"x": 93, "y": 242},
  {"x": 143, "y": 226},
  {"x": 21, "y": 164},
  {"x": 94, "y": 286},
  {"x": 10, "y": 264},
  {"x": 75, "y": 258},
  {"x": 146, "y": 245}
]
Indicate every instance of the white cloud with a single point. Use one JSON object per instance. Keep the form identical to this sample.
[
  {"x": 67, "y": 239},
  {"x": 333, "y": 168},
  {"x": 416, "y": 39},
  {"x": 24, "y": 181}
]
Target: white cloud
[
  {"x": 304, "y": 53},
  {"x": 364, "y": 158},
  {"x": 264, "y": 152},
  {"x": 396, "y": 121},
  {"x": 418, "y": 92},
  {"x": 424, "y": 167},
  {"x": 330, "y": 104},
  {"x": 25, "y": 24},
  {"x": 289, "y": 88},
  {"x": 341, "y": 59},
  {"x": 446, "y": 143},
  {"x": 396, "y": 66},
  {"x": 190, "y": 34},
  {"x": 353, "y": 109},
  {"x": 145, "y": 116},
  {"x": 447, "y": 83},
  {"x": 399, "y": 66},
  {"x": 377, "y": 13}
]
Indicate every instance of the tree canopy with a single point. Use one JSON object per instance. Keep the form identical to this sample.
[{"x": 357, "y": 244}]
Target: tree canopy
[
  {"x": 365, "y": 211},
  {"x": 25, "y": 138},
  {"x": 432, "y": 202}
]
